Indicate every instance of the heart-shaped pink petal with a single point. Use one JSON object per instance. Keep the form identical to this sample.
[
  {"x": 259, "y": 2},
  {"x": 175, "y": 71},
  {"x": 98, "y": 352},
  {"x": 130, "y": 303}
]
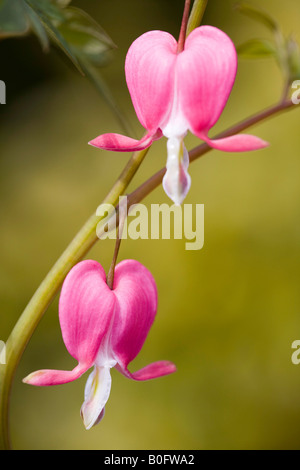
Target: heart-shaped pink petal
[
  {"x": 150, "y": 70},
  {"x": 86, "y": 308},
  {"x": 136, "y": 294},
  {"x": 206, "y": 71}
]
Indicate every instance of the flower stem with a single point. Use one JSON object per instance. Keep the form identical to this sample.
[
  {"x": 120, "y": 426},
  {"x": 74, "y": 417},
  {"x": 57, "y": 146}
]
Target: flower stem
[
  {"x": 148, "y": 186},
  {"x": 78, "y": 248},
  {"x": 120, "y": 222},
  {"x": 48, "y": 289},
  {"x": 46, "y": 292},
  {"x": 196, "y": 15},
  {"x": 184, "y": 22}
]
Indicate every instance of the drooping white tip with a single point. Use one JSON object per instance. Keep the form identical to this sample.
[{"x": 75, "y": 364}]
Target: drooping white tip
[
  {"x": 96, "y": 394},
  {"x": 177, "y": 181}
]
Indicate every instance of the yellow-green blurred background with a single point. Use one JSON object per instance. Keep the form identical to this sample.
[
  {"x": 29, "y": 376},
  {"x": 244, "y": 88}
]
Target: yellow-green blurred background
[{"x": 228, "y": 313}]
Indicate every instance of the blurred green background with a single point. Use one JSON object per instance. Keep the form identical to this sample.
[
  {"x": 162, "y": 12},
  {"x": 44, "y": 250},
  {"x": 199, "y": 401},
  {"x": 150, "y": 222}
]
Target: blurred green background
[{"x": 228, "y": 313}]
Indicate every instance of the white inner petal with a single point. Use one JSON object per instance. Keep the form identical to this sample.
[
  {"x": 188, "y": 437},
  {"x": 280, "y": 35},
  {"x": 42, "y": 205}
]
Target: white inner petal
[
  {"x": 98, "y": 385},
  {"x": 176, "y": 124},
  {"x": 96, "y": 394},
  {"x": 177, "y": 181}
]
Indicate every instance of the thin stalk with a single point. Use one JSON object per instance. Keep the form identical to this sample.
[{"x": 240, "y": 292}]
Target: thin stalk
[
  {"x": 196, "y": 15},
  {"x": 148, "y": 186},
  {"x": 48, "y": 289},
  {"x": 46, "y": 292},
  {"x": 120, "y": 223},
  {"x": 184, "y": 22},
  {"x": 80, "y": 245}
]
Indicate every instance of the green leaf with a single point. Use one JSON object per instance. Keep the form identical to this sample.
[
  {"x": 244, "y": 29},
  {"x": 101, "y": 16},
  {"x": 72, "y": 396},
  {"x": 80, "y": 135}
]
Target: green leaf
[
  {"x": 257, "y": 14},
  {"x": 293, "y": 55},
  {"x": 256, "y": 48},
  {"x": 62, "y": 3},
  {"x": 74, "y": 31},
  {"x": 48, "y": 8},
  {"x": 51, "y": 29},
  {"x": 37, "y": 27},
  {"x": 13, "y": 20},
  {"x": 85, "y": 36}
]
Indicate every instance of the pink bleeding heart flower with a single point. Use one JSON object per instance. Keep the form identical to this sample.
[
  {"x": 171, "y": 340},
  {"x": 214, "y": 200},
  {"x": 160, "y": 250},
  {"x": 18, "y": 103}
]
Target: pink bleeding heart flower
[
  {"x": 173, "y": 93},
  {"x": 104, "y": 328}
]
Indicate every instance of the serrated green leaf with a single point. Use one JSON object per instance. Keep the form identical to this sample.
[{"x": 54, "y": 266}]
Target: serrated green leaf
[
  {"x": 257, "y": 14},
  {"x": 256, "y": 48},
  {"x": 13, "y": 19}
]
